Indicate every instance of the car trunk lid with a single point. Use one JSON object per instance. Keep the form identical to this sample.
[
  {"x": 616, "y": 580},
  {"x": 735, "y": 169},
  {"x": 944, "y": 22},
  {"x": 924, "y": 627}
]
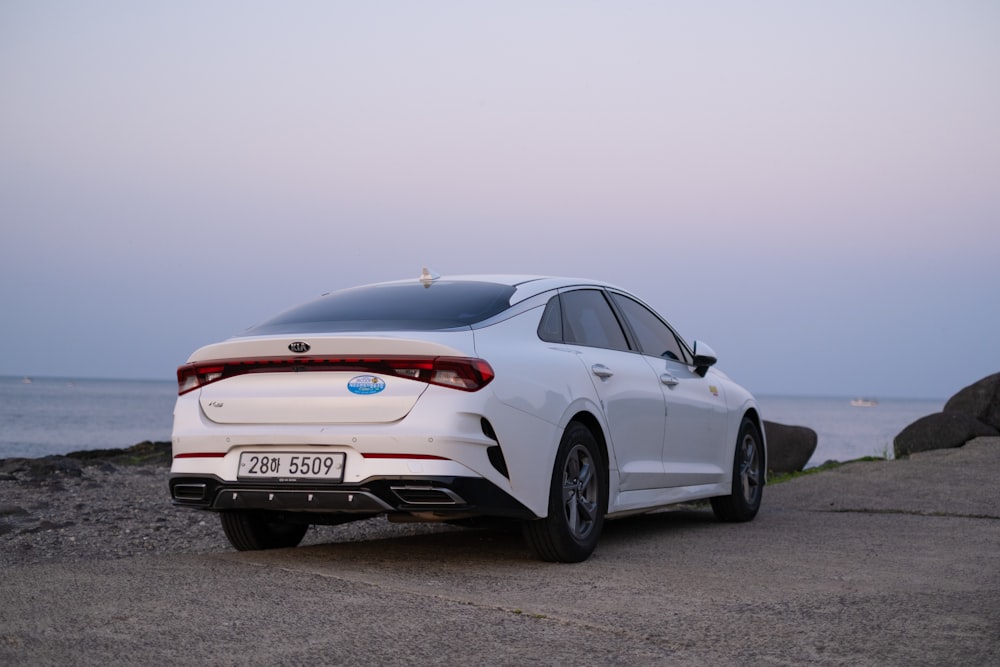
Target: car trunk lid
[
  {"x": 341, "y": 380},
  {"x": 310, "y": 398}
]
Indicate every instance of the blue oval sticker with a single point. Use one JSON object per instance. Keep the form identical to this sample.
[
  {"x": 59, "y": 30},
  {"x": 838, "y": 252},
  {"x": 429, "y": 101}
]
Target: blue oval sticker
[{"x": 365, "y": 384}]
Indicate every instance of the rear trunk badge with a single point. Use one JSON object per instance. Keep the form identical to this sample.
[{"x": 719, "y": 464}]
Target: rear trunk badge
[{"x": 298, "y": 347}]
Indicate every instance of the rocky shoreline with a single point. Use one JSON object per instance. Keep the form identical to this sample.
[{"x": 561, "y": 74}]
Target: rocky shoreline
[
  {"x": 101, "y": 504},
  {"x": 107, "y": 504}
]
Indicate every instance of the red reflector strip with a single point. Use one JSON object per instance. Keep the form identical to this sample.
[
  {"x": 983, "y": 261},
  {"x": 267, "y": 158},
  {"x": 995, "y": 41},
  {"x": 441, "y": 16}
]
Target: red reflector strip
[
  {"x": 427, "y": 457},
  {"x": 463, "y": 373},
  {"x": 201, "y": 455}
]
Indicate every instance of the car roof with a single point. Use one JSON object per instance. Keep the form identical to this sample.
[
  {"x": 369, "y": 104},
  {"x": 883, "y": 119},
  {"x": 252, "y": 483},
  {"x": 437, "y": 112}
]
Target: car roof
[{"x": 527, "y": 285}]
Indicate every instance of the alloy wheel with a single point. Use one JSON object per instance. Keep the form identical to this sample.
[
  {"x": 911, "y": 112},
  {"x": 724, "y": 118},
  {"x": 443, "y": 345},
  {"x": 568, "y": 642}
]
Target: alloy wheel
[
  {"x": 750, "y": 469},
  {"x": 580, "y": 492}
]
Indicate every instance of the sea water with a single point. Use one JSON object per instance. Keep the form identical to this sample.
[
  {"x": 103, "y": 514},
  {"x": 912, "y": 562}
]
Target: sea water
[
  {"x": 42, "y": 416},
  {"x": 845, "y": 432}
]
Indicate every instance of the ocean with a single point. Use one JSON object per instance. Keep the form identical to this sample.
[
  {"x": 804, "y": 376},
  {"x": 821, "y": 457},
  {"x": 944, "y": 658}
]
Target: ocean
[
  {"x": 60, "y": 415},
  {"x": 845, "y": 432}
]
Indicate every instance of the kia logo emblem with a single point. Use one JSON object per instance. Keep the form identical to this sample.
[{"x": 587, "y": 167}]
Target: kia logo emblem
[{"x": 298, "y": 347}]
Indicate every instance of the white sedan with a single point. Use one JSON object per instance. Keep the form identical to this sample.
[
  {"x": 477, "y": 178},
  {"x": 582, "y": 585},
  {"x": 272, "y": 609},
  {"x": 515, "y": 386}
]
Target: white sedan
[{"x": 552, "y": 401}]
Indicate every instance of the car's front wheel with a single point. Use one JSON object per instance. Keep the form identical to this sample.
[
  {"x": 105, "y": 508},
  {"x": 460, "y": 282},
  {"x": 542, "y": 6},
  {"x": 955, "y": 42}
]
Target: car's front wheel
[
  {"x": 248, "y": 530},
  {"x": 748, "y": 477},
  {"x": 578, "y": 498}
]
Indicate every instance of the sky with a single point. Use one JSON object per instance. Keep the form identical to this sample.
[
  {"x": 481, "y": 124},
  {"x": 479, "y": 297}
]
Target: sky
[{"x": 812, "y": 188}]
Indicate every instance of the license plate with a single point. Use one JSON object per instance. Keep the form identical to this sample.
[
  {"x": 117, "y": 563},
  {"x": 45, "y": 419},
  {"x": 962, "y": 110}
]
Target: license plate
[{"x": 292, "y": 466}]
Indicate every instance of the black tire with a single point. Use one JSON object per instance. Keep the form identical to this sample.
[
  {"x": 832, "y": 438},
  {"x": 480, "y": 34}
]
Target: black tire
[
  {"x": 748, "y": 477},
  {"x": 252, "y": 531},
  {"x": 578, "y": 499}
]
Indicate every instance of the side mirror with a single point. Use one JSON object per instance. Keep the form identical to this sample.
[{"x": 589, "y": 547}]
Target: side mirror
[{"x": 704, "y": 358}]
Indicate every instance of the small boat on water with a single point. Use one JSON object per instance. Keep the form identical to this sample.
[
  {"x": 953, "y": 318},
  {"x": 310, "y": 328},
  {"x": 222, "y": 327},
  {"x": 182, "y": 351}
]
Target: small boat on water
[
  {"x": 864, "y": 402},
  {"x": 25, "y": 380}
]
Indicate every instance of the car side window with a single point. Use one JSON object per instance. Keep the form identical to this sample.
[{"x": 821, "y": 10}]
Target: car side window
[
  {"x": 654, "y": 336},
  {"x": 550, "y": 328},
  {"x": 589, "y": 320}
]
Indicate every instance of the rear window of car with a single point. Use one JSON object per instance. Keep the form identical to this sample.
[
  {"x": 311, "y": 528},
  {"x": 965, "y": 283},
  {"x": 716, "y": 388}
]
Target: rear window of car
[{"x": 393, "y": 306}]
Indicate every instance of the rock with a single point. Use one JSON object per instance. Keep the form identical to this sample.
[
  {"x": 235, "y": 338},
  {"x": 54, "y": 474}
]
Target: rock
[
  {"x": 972, "y": 412},
  {"x": 41, "y": 467},
  {"x": 10, "y": 466},
  {"x": 789, "y": 448},
  {"x": 941, "y": 430},
  {"x": 7, "y": 510},
  {"x": 981, "y": 400},
  {"x": 143, "y": 453}
]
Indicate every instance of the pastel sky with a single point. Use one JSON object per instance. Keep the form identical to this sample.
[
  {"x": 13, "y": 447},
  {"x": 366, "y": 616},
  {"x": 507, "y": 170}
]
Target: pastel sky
[{"x": 811, "y": 187}]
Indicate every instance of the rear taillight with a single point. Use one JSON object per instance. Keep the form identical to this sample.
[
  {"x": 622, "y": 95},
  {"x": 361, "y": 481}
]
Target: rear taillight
[
  {"x": 463, "y": 373},
  {"x": 192, "y": 376}
]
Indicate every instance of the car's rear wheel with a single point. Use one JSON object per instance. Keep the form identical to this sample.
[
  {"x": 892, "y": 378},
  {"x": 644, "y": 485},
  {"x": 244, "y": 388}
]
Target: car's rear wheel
[
  {"x": 748, "y": 477},
  {"x": 578, "y": 498},
  {"x": 247, "y": 530}
]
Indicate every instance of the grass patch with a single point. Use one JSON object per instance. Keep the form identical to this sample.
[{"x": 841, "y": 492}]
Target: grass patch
[{"x": 779, "y": 477}]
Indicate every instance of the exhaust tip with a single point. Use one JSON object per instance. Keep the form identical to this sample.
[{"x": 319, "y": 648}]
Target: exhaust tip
[
  {"x": 190, "y": 491},
  {"x": 427, "y": 495}
]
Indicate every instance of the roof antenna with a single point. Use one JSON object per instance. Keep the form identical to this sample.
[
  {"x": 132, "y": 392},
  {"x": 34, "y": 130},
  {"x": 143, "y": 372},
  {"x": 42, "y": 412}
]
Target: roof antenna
[{"x": 427, "y": 277}]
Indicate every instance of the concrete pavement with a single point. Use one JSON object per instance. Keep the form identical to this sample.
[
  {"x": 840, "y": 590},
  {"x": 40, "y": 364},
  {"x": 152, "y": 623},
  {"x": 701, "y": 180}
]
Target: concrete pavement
[{"x": 880, "y": 563}]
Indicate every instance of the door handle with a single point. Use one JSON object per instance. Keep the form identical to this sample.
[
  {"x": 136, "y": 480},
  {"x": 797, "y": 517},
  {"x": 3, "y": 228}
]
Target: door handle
[
  {"x": 669, "y": 380},
  {"x": 601, "y": 371}
]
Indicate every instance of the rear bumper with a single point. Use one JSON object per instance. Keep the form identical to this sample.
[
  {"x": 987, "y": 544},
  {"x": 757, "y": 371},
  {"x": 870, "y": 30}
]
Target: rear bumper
[{"x": 423, "y": 497}]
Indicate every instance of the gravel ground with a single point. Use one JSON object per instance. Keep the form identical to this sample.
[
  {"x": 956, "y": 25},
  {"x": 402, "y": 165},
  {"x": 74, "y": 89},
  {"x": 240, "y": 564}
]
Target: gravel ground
[{"x": 63, "y": 508}]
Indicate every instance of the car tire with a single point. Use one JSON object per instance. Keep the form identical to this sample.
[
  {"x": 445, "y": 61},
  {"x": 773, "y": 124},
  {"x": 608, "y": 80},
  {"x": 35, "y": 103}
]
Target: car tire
[
  {"x": 748, "y": 477},
  {"x": 578, "y": 499},
  {"x": 253, "y": 531}
]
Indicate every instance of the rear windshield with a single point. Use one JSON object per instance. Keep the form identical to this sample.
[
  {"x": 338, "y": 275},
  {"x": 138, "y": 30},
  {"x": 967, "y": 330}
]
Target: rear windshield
[{"x": 397, "y": 306}]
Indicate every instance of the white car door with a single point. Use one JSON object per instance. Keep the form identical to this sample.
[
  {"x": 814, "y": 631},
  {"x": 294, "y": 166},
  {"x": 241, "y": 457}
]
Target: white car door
[
  {"x": 694, "y": 451},
  {"x": 629, "y": 389},
  {"x": 694, "y": 448}
]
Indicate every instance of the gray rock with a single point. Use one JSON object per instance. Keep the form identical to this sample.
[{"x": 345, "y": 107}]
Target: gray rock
[
  {"x": 789, "y": 448},
  {"x": 145, "y": 453},
  {"x": 941, "y": 430},
  {"x": 7, "y": 510},
  {"x": 981, "y": 400},
  {"x": 41, "y": 467}
]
